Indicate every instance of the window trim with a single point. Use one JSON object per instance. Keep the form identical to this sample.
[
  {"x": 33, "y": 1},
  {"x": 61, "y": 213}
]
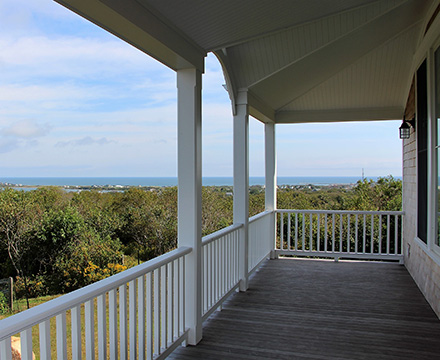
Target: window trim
[{"x": 432, "y": 165}]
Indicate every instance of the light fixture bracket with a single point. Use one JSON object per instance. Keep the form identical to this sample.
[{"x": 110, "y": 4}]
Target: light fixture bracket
[{"x": 412, "y": 122}]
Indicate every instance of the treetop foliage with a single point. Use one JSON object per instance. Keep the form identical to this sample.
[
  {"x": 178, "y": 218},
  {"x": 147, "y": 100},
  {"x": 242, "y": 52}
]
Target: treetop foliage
[{"x": 56, "y": 241}]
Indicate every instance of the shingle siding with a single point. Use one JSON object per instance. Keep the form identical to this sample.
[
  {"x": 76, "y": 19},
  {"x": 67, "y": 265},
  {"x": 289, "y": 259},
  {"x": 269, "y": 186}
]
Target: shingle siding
[{"x": 424, "y": 270}]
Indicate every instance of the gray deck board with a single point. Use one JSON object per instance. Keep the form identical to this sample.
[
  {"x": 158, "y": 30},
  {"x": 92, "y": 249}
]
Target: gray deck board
[{"x": 314, "y": 309}]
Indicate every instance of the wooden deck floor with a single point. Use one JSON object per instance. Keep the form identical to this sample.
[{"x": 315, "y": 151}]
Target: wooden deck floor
[{"x": 310, "y": 309}]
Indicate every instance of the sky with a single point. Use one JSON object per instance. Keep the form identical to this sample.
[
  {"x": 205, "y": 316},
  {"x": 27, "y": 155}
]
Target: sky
[{"x": 77, "y": 101}]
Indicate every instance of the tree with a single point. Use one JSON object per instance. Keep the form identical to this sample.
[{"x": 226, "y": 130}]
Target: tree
[
  {"x": 19, "y": 217},
  {"x": 217, "y": 210},
  {"x": 73, "y": 253},
  {"x": 384, "y": 194},
  {"x": 97, "y": 210}
]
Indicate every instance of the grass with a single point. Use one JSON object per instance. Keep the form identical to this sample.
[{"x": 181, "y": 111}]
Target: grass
[{"x": 21, "y": 306}]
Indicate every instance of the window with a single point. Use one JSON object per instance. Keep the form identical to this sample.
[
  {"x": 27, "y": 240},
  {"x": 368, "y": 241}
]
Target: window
[
  {"x": 422, "y": 154},
  {"x": 437, "y": 142}
]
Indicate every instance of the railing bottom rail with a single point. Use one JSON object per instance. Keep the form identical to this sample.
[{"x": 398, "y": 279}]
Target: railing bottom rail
[{"x": 337, "y": 255}]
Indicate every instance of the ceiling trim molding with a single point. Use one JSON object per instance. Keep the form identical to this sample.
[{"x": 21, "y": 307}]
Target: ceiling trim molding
[
  {"x": 133, "y": 23},
  {"x": 319, "y": 116}
]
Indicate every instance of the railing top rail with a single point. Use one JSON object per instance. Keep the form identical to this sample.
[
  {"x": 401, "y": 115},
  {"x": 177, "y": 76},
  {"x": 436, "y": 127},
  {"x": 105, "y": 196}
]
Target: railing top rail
[
  {"x": 343, "y": 212},
  {"x": 220, "y": 233},
  {"x": 36, "y": 315},
  {"x": 259, "y": 216}
]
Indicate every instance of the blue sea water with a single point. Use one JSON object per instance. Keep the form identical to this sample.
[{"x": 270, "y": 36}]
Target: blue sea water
[{"x": 172, "y": 181}]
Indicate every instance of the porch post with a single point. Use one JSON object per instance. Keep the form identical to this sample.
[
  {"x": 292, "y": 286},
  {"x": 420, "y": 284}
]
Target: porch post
[
  {"x": 241, "y": 182},
  {"x": 189, "y": 146},
  {"x": 271, "y": 180}
]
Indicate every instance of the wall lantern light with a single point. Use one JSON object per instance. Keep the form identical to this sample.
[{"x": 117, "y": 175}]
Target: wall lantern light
[{"x": 405, "y": 128}]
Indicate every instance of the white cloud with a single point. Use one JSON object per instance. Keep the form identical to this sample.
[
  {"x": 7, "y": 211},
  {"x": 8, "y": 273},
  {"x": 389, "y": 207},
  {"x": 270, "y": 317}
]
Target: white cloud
[
  {"x": 21, "y": 134},
  {"x": 25, "y": 129},
  {"x": 85, "y": 141}
]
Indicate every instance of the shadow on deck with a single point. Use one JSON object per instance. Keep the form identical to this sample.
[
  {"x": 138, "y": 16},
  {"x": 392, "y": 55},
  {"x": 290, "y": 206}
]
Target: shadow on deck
[{"x": 311, "y": 309}]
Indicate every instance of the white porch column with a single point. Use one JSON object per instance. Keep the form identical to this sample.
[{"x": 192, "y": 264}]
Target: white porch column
[
  {"x": 241, "y": 182},
  {"x": 189, "y": 145},
  {"x": 271, "y": 179},
  {"x": 271, "y": 167}
]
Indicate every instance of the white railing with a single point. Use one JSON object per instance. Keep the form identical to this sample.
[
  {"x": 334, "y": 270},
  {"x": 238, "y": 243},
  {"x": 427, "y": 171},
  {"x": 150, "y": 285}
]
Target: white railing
[
  {"x": 348, "y": 234},
  {"x": 149, "y": 300},
  {"x": 220, "y": 267},
  {"x": 139, "y": 313},
  {"x": 261, "y": 235}
]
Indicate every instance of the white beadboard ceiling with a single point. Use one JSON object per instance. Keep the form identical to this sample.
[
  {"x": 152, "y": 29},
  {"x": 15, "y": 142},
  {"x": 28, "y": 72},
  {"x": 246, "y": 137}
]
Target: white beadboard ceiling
[
  {"x": 216, "y": 24},
  {"x": 262, "y": 57},
  {"x": 377, "y": 74},
  {"x": 299, "y": 60}
]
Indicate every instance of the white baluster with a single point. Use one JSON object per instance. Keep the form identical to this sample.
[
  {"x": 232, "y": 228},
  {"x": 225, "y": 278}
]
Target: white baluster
[
  {"x": 380, "y": 234},
  {"x": 89, "y": 315},
  {"x": 113, "y": 324},
  {"x": 364, "y": 238},
  {"x": 356, "y": 234},
  {"x": 281, "y": 231},
  {"x": 44, "y": 332},
  {"x": 157, "y": 324},
  {"x": 132, "y": 318},
  {"x": 296, "y": 231},
  {"x": 372, "y": 234},
  {"x": 388, "y": 235},
  {"x": 26, "y": 344},
  {"x": 396, "y": 234},
  {"x": 333, "y": 232},
  {"x": 141, "y": 317},
  {"x": 123, "y": 345},
  {"x": 5, "y": 349},
  {"x": 170, "y": 313},
  {"x": 102, "y": 327},
  {"x": 163, "y": 308},
  {"x": 150, "y": 309},
  {"x": 318, "y": 238}
]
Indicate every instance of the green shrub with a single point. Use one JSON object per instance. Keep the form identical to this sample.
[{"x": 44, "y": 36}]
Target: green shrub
[
  {"x": 36, "y": 287},
  {"x": 4, "y": 304}
]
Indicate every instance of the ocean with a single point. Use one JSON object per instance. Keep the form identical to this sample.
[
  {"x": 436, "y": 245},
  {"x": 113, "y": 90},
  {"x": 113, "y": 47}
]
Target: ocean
[{"x": 172, "y": 181}]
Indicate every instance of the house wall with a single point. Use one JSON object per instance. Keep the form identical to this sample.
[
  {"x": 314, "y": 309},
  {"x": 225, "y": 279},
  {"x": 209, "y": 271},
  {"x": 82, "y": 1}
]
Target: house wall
[{"x": 424, "y": 270}]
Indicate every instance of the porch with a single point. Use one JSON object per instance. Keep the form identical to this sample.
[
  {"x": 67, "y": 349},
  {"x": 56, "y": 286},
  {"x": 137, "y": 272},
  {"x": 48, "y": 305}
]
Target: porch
[
  {"x": 309, "y": 308},
  {"x": 321, "y": 309},
  {"x": 312, "y": 60}
]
